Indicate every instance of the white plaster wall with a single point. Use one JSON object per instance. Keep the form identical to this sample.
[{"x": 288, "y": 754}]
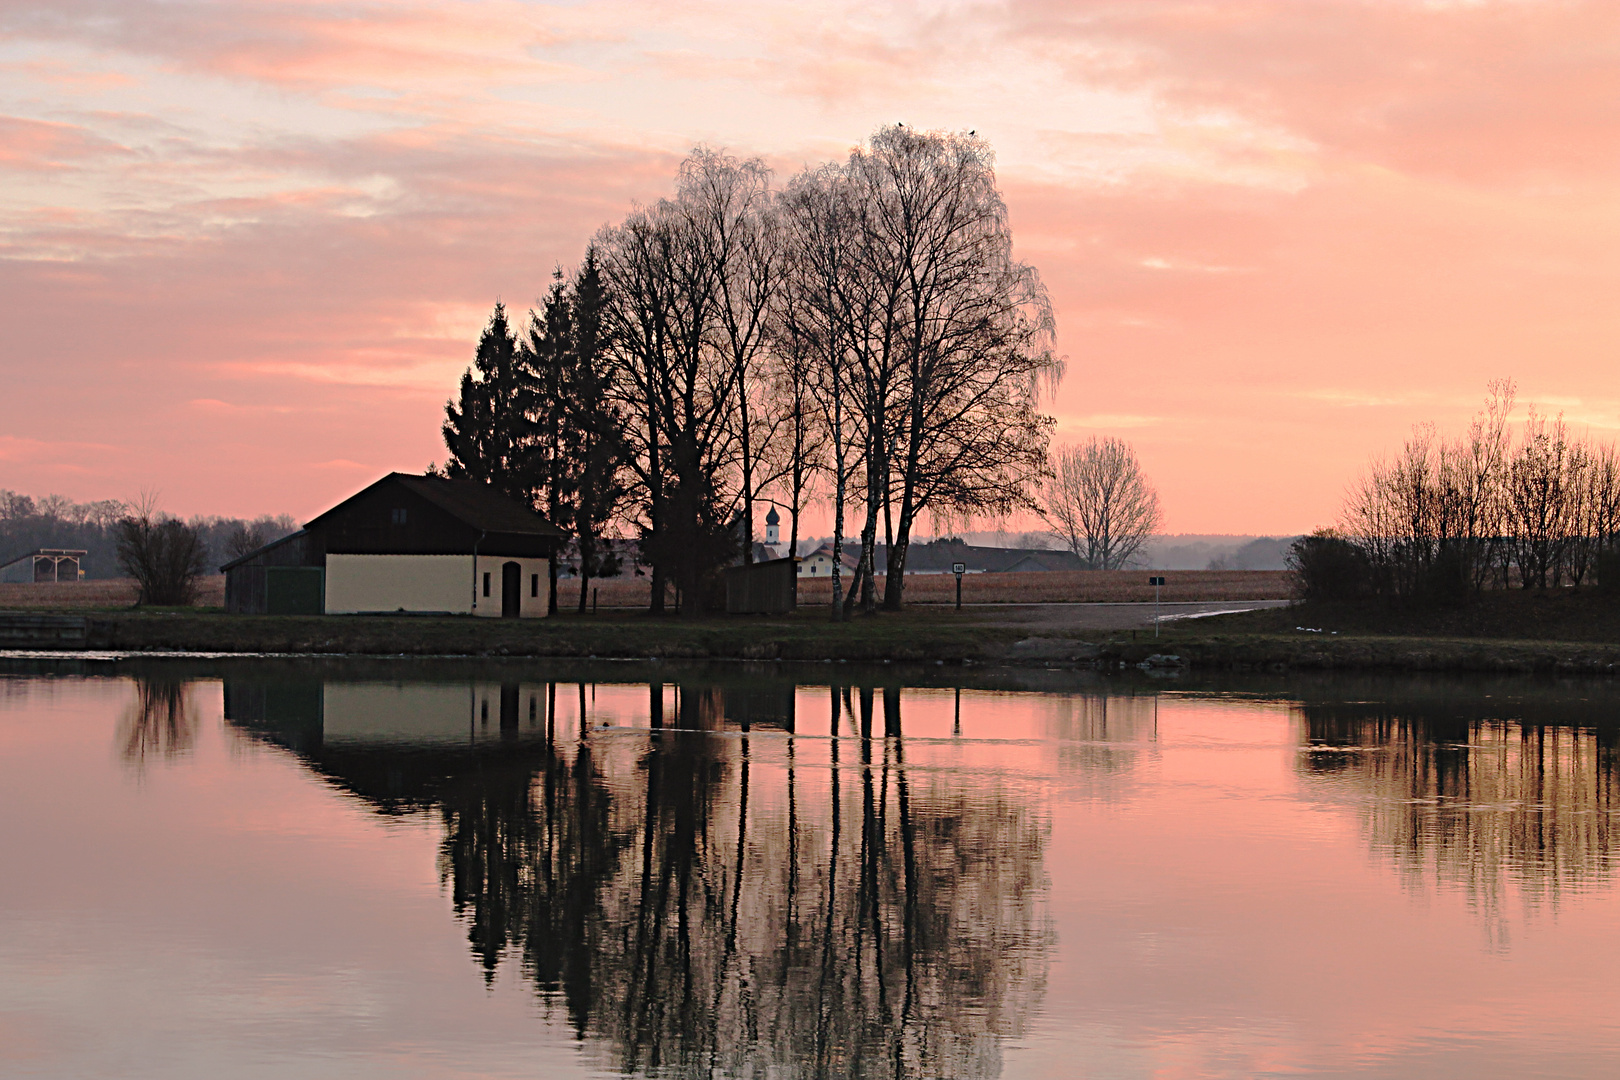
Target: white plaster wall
[
  {"x": 414, "y": 712},
  {"x": 485, "y": 715},
  {"x": 535, "y": 572},
  {"x": 356, "y": 583},
  {"x": 398, "y": 712}
]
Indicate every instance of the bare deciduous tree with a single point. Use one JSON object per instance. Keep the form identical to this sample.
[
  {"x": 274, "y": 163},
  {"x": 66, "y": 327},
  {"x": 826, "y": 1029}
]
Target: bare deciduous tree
[
  {"x": 945, "y": 338},
  {"x": 813, "y": 328},
  {"x": 164, "y": 555},
  {"x": 1448, "y": 517},
  {"x": 1099, "y": 503},
  {"x": 244, "y": 539},
  {"x": 872, "y": 314},
  {"x": 678, "y": 384}
]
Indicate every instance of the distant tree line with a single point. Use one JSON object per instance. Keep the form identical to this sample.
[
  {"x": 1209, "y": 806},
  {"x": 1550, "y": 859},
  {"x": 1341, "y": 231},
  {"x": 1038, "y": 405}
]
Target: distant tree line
[
  {"x": 162, "y": 552},
  {"x": 862, "y": 334},
  {"x": 1448, "y": 517}
]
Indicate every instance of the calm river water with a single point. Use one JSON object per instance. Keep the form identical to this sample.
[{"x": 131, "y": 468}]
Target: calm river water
[{"x": 409, "y": 869}]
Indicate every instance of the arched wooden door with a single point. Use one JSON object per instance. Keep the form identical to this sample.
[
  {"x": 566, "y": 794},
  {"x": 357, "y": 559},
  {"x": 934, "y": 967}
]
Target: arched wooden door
[{"x": 511, "y": 590}]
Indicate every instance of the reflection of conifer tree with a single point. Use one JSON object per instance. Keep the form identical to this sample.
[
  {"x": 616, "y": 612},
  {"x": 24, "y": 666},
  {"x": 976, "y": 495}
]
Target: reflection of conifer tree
[
  {"x": 489, "y": 844},
  {"x": 579, "y": 858},
  {"x": 159, "y": 723},
  {"x": 527, "y": 877}
]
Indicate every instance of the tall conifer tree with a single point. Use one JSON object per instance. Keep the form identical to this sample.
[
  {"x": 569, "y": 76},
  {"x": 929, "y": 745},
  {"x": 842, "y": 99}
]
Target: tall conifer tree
[
  {"x": 487, "y": 429},
  {"x": 595, "y": 443}
]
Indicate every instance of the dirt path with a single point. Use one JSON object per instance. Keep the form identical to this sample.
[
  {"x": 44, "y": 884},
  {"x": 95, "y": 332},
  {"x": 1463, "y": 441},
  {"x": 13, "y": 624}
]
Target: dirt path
[{"x": 1065, "y": 618}]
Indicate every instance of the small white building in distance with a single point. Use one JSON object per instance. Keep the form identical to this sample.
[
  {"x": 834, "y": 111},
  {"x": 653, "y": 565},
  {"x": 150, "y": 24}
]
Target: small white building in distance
[{"x": 819, "y": 562}]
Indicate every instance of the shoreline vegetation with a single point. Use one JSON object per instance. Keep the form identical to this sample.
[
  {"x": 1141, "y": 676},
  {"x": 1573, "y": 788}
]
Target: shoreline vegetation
[{"x": 1564, "y": 631}]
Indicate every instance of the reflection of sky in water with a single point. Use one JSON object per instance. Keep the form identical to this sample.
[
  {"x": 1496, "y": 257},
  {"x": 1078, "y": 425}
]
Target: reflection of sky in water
[{"x": 1122, "y": 886}]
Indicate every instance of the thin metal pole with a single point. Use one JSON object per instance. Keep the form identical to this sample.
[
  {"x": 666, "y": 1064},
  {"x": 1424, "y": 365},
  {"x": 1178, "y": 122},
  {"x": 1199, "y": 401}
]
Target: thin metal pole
[{"x": 1156, "y": 610}]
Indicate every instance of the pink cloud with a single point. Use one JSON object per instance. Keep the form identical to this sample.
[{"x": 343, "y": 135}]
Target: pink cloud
[
  {"x": 1323, "y": 221},
  {"x": 312, "y": 43},
  {"x": 1483, "y": 91},
  {"x": 250, "y": 356},
  {"x": 33, "y": 145}
]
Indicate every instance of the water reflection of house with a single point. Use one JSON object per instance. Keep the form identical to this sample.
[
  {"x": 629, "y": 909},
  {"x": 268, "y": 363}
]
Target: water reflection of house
[
  {"x": 658, "y": 887},
  {"x": 311, "y": 713}
]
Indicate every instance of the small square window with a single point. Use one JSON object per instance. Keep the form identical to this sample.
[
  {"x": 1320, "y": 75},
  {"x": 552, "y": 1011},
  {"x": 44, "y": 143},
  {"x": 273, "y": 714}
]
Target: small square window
[
  {"x": 534, "y": 584},
  {"x": 397, "y": 516},
  {"x": 486, "y": 583}
]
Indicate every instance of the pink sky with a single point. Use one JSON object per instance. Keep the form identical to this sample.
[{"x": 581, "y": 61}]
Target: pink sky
[{"x": 245, "y": 249}]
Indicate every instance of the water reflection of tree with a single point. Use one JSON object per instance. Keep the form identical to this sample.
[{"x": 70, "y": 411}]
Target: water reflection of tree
[
  {"x": 1102, "y": 737},
  {"x": 160, "y": 722},
  {"x": 1472, "y": 801},
  {"x": 888, "y": 923}
]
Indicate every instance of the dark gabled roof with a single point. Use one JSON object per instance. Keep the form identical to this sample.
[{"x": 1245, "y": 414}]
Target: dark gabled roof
[
  {"x": 256, "y": 552},
  {"x": 471, "y": 502}
]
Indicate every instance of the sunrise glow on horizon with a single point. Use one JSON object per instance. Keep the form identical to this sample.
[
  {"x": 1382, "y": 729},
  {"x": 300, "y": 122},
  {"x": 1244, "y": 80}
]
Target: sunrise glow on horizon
[{"x": 246, "y": 248}]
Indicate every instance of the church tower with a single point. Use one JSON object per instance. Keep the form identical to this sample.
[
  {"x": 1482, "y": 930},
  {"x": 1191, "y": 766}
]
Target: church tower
[{"x": 772, "y": 533}]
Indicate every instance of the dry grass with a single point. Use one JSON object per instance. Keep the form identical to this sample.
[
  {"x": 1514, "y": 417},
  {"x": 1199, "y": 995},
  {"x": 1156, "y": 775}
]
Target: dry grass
[
  {"x": 98, "y": 593},
  {"x": 1102, "y": 586},
  {"x": 1082, "y": 587}
]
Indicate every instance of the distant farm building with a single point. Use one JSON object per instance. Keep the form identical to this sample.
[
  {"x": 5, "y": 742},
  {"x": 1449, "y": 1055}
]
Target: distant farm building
[
  {"x": 414, "y": 544},
  {"x": 820, "y": 561},
  {"x": 44, "y": 566}
]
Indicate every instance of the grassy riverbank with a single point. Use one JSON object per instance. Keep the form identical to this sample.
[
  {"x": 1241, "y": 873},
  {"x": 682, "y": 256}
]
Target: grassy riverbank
[
  {"x": 1559, "y": 630},
  {"x": 1562, "y": 631},
  {"x": 1567, "y": 615},
  {"x": 908, "y": 636},
  {"x": 632, "y": 594}
]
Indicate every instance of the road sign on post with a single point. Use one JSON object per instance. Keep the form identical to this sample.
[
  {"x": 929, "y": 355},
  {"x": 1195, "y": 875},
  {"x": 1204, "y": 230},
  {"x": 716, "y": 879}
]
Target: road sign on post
[
  {"x": 958, "y": 568},
  {"x": 1157, "y": 583}
]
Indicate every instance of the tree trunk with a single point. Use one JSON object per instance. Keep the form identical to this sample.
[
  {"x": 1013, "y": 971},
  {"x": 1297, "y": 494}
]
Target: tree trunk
[
  {"x": 894, "y": 591},
  {"x": 864, "y": 572},
  {"x": 747, "y": 478},
  {"x": 894, "y": 582}
]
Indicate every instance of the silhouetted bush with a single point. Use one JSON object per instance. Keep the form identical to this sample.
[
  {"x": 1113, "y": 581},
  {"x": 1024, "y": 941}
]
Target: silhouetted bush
[
  {"x": 164, "y": 556},
  {"x": 1329, "y": 567},
  {"x": 1445, "y": 581},
  {"x": 1607, "y": 564}
]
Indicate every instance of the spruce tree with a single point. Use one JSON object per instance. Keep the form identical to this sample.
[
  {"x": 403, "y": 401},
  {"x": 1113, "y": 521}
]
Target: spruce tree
[
  {"x": 546, "y": 355},
  {"x": 487, "y": 430},
  {"x": 595, "y": 441}
]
